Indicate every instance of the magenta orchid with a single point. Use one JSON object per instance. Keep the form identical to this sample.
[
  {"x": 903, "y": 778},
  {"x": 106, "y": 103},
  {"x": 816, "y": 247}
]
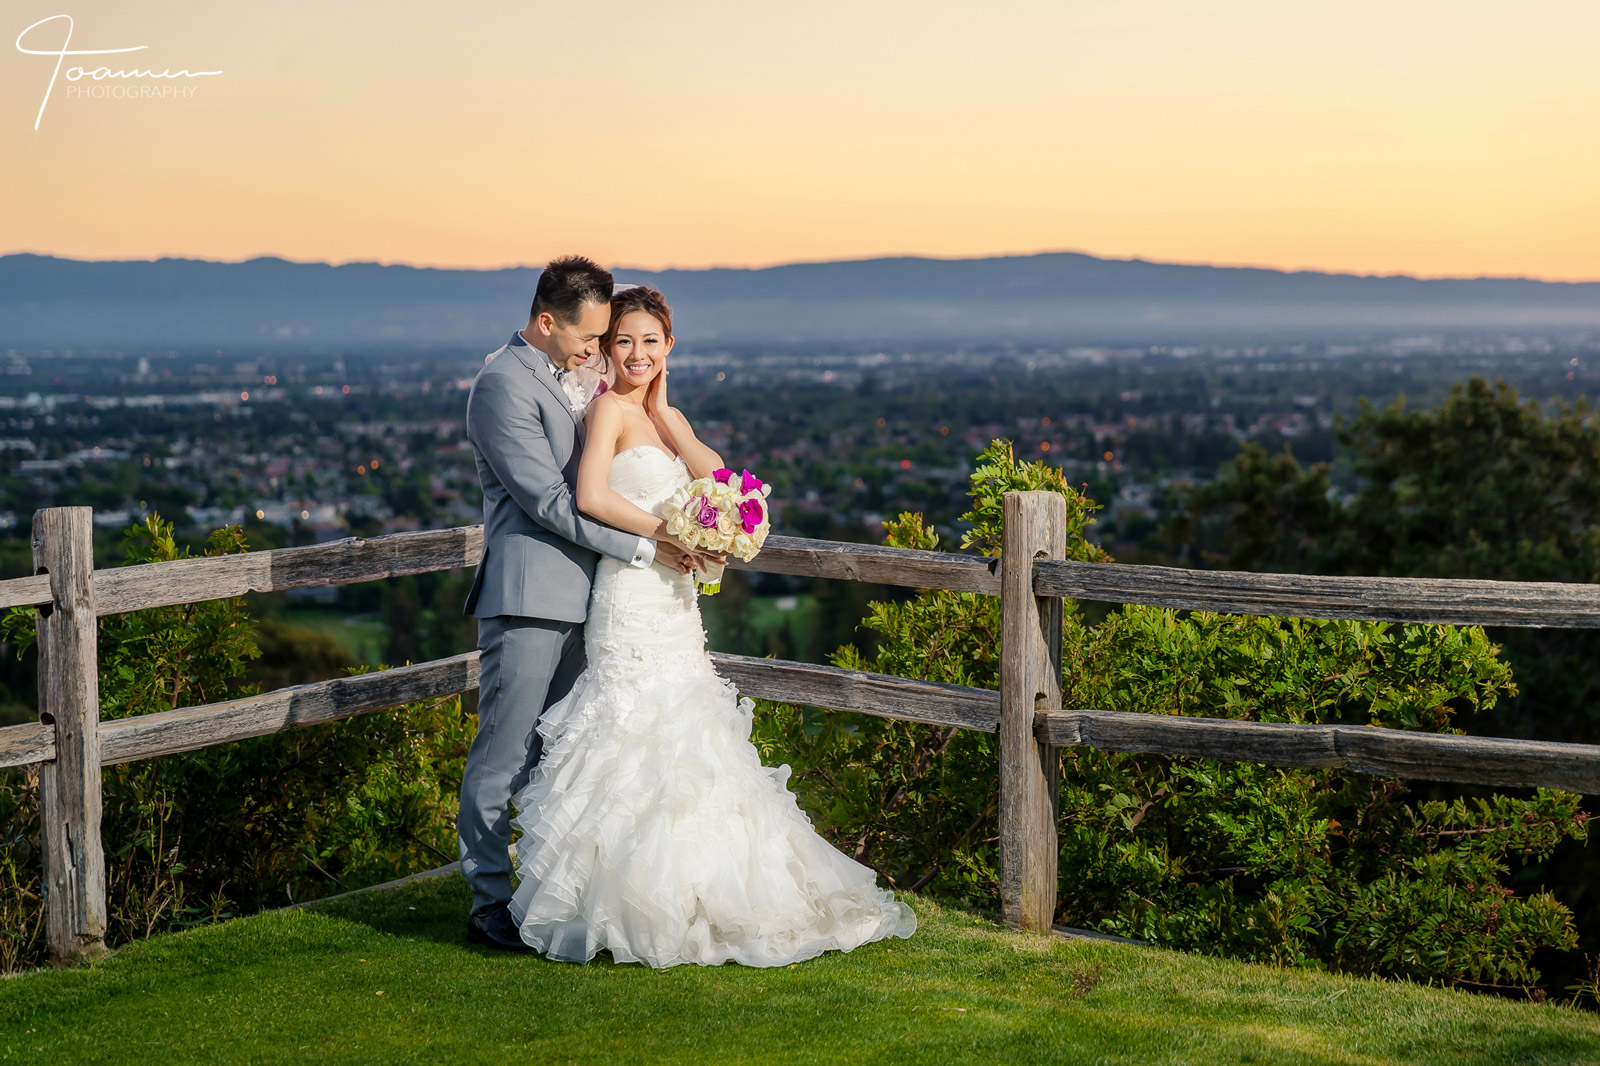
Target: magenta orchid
[
  {"x": 750, "y": 514},
  {"x": 704, "y": 515}
]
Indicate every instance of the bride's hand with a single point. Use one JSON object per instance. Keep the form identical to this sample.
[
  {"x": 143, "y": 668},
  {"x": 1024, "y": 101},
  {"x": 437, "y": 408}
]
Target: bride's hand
[
  {"x": 703, "y": 560},
  {"x": 656, "y": 407}
]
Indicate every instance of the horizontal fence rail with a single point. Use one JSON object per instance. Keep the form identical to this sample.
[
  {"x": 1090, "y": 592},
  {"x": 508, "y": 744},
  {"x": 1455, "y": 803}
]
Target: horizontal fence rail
[
  {"x": 25, "y": 592},
  {"x": 1451, "y": 601},
  {"x": 339, "y": 562},
  {"x": 187, "y": 728},
  {"x": 844, "y": 561},
  {"x": 355, "y": 559},
  {"x": 121, "y": 589},
  {"x": 829, "y": 687},
  {"x": 1363, "y": 749},
  {"x": 1026, "y": 713}
]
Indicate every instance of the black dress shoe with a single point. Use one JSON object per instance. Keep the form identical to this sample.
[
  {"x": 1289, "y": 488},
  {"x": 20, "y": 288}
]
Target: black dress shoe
[{"x": 496, "y": 929}]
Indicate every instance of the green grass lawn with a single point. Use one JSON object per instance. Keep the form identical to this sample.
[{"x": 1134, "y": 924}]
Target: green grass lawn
[
  {"x": 794, "y": 616},
  {"x": 363, "y": 636},
  {"x": 387, "y": 977}
]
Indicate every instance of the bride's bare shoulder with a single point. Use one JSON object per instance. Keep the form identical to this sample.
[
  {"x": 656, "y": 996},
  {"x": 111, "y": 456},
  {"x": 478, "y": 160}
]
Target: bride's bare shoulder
[{"x": 602, "y": 406}]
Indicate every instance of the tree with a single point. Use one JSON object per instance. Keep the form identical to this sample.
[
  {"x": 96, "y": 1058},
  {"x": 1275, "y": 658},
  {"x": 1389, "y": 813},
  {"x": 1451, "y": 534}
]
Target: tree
[
  {"x": 1484, "y": 486},
  {"x": 1303, "y": 866}
]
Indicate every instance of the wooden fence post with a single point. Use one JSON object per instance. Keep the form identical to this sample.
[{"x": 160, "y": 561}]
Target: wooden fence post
[
  {"x": 1030, "y": 682},
  {"x": 69, "y": 699}
]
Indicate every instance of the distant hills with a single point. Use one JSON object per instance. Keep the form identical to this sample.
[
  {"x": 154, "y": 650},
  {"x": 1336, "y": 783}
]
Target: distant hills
[{"x": 1053, "y": 298}]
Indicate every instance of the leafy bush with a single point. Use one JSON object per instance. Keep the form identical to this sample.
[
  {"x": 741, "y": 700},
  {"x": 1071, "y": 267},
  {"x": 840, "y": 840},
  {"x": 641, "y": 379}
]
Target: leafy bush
[
  {"x": 1302, "y": 866},
  {"x": 239, "y": 826}
]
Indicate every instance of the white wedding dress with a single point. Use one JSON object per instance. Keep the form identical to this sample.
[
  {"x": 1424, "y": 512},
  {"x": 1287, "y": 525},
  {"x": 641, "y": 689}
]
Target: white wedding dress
[{"x": 650, "y": 828}]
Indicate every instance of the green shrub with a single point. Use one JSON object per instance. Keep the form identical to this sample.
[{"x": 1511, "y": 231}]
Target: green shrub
[
  {"x": 1302, "y": 866},
  {"x": 240, "y": 826}
]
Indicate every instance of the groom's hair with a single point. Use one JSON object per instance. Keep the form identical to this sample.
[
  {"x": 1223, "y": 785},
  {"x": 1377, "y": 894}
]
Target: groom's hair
[{"x": 566, "y": 284}]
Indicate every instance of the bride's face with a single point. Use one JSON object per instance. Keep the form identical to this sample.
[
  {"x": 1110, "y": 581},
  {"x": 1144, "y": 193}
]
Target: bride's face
[{"x": 640, "y": 349}]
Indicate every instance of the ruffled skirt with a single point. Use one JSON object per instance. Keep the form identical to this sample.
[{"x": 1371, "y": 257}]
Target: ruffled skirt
[{"x": 650, "y": 827}]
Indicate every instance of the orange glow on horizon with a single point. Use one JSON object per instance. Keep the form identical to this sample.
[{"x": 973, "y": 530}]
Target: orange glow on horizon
[{"x": 1434, "y": 139}]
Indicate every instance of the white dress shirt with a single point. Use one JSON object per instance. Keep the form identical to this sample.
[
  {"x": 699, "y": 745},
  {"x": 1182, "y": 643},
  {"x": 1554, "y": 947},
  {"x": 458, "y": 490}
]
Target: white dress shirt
[{"x": 578, "y": 398}]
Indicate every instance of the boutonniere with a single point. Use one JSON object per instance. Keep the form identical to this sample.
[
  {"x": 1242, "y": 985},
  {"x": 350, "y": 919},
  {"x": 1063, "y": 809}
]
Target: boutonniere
[{"x": 582, "y": 386}]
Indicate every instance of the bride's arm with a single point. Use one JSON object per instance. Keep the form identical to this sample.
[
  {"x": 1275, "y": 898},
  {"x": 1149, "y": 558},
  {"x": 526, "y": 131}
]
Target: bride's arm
[
  {"x": 596, "y": 497},
  {"x": 700, "y": 458}
]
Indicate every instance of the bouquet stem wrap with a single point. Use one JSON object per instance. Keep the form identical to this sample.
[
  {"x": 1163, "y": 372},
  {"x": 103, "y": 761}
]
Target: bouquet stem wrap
[{"x": 709, "y": 580}]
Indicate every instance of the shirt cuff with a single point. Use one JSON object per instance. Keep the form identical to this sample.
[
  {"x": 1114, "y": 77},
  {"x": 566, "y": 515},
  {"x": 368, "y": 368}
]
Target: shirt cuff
[{"x": 646, "y": 553}]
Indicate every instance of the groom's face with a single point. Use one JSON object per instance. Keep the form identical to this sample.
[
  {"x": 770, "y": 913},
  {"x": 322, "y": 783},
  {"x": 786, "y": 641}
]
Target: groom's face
[{"x": 571, "y": 344}]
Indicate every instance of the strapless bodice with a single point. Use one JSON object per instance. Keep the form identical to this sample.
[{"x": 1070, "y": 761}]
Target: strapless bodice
[{"x": 647, "y": 476}]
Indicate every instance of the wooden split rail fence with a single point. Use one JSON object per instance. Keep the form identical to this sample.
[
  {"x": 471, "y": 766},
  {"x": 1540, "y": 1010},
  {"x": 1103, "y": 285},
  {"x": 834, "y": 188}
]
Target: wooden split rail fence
[{"x": 70, "y": 743}]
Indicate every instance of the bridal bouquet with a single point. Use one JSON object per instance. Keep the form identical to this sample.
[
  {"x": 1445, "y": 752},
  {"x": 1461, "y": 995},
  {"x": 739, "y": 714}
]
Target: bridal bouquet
[{"x": 723, "y": 513}]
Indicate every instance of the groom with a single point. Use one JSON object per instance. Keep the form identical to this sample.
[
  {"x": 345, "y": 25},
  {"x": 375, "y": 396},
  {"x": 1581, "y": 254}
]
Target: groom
[{"x": 531, "y": 591}]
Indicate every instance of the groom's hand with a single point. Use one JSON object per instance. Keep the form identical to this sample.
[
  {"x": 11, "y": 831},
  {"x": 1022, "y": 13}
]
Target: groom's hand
[
  {"x": 702, "y": 560},
  {"x": 671, "y": 552}
]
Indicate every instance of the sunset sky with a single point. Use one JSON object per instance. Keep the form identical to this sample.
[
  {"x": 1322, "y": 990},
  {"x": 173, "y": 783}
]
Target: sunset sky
[{"x": 1459, "y": 137}]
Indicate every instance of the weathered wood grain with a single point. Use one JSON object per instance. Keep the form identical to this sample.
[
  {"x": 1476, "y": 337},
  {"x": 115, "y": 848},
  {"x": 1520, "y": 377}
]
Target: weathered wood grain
[
  {"x": 1365, "y": 749},
  {"x": 1035, "y": 527},
  {"x": 1378, "y": 599},
  {"x": 339, "y": 562},
  {"x": 24, "y": 592},
  {"x": 127, "y": 739},
  {"x": 31, "y": 742},
  {"x": 931, "y": 702},
  {"x": 843, "y": 561},
  {"x": 1460, "y": 602},
  {"x": 69, "y": 702}
]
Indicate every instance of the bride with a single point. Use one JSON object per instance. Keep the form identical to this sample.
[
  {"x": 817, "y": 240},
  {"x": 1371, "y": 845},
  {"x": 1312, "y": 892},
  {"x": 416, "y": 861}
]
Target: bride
[{"x": 650, "y": 828}]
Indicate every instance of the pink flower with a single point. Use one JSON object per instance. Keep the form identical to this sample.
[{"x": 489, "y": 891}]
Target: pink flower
[
  {"x": 750, "y": 514},
  {"x": 708, "y": 514},
  {"x": 749, "y": 483},
  {"x": 722, "y": 476},
  {"x": 602, "y": 387}
]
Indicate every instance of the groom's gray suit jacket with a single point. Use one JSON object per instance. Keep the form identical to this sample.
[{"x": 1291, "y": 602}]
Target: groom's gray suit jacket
[{"x": 539, "y": 551}]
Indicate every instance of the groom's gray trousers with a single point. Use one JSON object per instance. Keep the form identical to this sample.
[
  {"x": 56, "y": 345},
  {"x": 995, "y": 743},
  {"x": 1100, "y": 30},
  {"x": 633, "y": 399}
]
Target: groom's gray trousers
[
  {"x": 528, "y": 666},
  {"x": 530, "y": 594}
]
